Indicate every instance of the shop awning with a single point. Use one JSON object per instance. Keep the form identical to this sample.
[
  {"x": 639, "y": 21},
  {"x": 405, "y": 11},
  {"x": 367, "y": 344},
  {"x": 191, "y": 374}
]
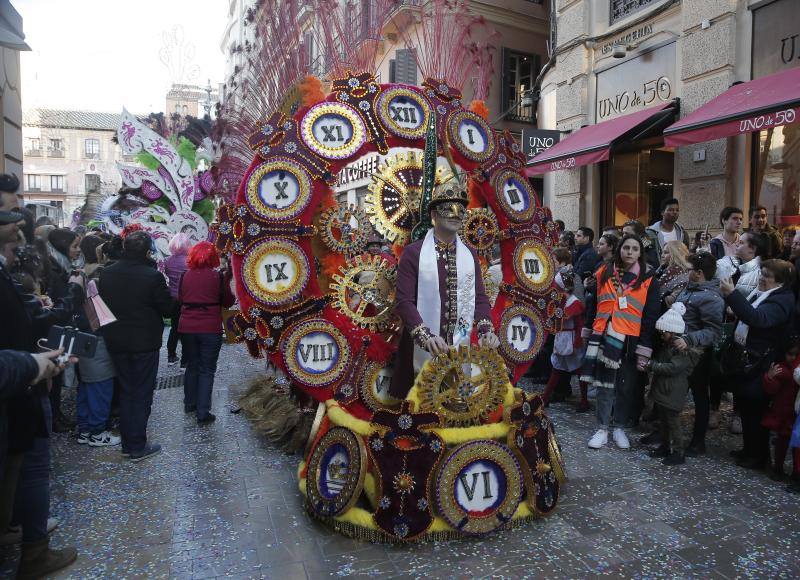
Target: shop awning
[
  {"x": 593, "y": 143},
  {"x": 770, "y": 101}
]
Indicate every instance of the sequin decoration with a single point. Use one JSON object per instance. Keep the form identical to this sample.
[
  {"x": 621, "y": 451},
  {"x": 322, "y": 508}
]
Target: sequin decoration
[
  {"x": 336, "y": 472},
  {"x": 333, "y": 130},
  {"x": 316, "y": 353}
]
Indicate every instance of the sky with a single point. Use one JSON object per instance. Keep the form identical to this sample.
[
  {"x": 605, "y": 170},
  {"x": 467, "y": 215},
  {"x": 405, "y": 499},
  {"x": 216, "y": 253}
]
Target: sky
[{"x": 102, "y": 55}]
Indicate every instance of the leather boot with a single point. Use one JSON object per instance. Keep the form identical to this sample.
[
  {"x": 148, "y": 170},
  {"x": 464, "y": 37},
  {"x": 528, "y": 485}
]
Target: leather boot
[{"x": 38, "y": 559}]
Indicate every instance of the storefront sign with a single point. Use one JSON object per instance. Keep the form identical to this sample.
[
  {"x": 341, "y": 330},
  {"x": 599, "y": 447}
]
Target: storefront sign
[
  {"x": 535, "y": 141},
  {"x": 776, "y": 37},
  {"x": 641, "y": 82},
  {"x": 630, "y": 37},
  {"x": 361, "y": 170}
]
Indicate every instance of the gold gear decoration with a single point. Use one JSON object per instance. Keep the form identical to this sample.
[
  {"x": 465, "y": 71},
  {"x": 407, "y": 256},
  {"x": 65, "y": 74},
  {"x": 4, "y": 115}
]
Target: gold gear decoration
[
  {"x": 367, "y": 300},
  {"x": 480, "y": 230},
  {"x": 393, "y": 202},
  {"x": 338, "y": 233},
  {"x": 464, "y": 385}
]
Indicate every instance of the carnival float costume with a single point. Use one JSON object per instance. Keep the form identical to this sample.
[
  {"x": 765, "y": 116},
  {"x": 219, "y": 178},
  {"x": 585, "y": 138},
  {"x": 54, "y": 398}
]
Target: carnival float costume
[{"x": 461, "y": 452}]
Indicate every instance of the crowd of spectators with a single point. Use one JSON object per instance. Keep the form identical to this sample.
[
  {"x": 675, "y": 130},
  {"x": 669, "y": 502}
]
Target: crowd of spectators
[
  {"x": 664, "y": 315},
  {"x": 109, "y": 287}
]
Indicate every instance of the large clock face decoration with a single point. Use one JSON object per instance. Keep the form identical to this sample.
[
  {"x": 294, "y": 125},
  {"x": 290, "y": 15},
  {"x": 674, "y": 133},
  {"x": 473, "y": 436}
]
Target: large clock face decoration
[{"x": 310, "y": 298}]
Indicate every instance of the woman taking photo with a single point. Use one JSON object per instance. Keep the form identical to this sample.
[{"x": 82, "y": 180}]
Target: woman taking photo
[
  {"x": 203, "y": 292},
  {"x": 758, "y": 340},
  {"x": 619, "y": 325}
]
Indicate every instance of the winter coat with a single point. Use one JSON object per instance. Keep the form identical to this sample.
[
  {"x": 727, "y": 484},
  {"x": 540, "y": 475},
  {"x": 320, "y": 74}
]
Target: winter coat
[
  {"x": 768, "y": 324},
  {"x": 18, "y": 369},
  {"x": 750, "y": 272},
  {"x": 572, "y": 323},
  {"x": 24, "y": 322},
  {"x": 705, "y": 311},
  {"x": 775, "y": 241},
  {"x": 782, "y": 389},
  {"x": 654, "y": 231},
  {"x": 98, "y": 368},
  {"x": 652, "y": 311},
  {"x": 586, "y": 260},
  {"x": 138, "y": 297},
  {"x": 174, "y": 267},
  {"x": 671, "y": 281},
  {"x": 671, "y": 369},
  {"x": 202, "y": 295}
]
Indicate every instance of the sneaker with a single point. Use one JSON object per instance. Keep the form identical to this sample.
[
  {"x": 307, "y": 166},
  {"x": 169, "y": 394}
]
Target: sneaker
[
  {"x": 83, "y": 438},
  {"x": 104, "y": 439},
  {"x": 713, "y": 420},
  {"x": 736, "y": 425},
  {"x": 621, "y": 439},
  {"x": 599, "y": 439},
  {"x": 52, "y": 524},
  {"x": 210, "y": 418},
  {"x": 149, "y": 450}
]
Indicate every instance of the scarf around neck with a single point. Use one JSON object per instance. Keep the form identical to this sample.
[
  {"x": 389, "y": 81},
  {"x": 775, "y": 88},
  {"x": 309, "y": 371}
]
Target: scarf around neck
[
  {"x": 742, "y": 329},
  {"x": 428, "y": 303}
]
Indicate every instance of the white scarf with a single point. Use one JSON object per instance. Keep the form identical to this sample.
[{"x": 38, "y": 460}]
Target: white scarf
[
  {"x": 428, "y": 303},
  {"x": 740, "y": 334}
]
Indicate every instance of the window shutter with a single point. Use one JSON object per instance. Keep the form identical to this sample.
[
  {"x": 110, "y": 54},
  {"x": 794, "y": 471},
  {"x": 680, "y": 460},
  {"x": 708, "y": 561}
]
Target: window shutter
[
  {"x": 405, "y": 67},
  {"x": 393, "y": 71}
]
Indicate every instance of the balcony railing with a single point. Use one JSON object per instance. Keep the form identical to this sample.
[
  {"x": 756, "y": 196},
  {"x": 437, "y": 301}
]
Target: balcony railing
[
  {"x": 87, "y": 155},
  {"x": 55, "y": 153},
  {"x": 33, "y": 152},
  {"x": 520, "y": 113}
]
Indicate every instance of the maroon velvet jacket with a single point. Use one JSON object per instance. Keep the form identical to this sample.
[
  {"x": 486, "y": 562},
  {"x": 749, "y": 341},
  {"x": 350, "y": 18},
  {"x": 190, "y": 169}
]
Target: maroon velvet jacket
[{"x": 406, "y": 309}]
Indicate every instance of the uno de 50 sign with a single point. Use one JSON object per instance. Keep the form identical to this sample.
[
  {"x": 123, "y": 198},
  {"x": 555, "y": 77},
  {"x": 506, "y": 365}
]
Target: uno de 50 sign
[
  {"x": 535, "y": 141},
  {"x": 636, "y": 84}
]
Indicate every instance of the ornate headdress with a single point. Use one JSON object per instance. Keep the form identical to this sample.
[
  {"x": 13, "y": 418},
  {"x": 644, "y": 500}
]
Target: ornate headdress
[{"x": 452, "y": 189}]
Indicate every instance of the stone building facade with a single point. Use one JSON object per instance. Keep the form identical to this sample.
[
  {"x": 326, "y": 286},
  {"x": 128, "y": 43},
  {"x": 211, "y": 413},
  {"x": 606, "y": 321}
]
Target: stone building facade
[
  {"x": 11, "y": 43},
  {"x": 614, "y": 57},
  {"x": 68, "y": 155}
]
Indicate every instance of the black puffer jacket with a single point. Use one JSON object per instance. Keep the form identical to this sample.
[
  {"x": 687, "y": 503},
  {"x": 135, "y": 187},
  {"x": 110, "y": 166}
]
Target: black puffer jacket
[{"x": 138, "y": 296}]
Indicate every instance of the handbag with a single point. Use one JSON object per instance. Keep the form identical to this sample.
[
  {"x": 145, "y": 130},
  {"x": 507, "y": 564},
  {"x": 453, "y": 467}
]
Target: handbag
[
  {"x": 739, "y": 360},
  {"x": 564, "y": 343},
  {"x": 97, "y": 306}
]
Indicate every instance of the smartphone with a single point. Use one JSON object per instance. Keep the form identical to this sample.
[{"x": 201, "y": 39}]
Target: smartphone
[{"x": 73, "y": 341}]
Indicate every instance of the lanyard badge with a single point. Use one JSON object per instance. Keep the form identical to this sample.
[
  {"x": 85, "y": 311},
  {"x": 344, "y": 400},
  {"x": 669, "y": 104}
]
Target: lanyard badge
[{"x": 623, "y": 302}]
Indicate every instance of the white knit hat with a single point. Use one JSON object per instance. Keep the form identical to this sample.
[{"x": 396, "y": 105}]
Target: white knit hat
[{"x": 672, "y": 319}]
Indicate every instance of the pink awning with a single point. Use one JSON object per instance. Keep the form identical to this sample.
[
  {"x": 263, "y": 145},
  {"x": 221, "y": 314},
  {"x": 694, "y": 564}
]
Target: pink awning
[
  {"x": 592, "y": 143},
  {"x": 770, "y": 101}
]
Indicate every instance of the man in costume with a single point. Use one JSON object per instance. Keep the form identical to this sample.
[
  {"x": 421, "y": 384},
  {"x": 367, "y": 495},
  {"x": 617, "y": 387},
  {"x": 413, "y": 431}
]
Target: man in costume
[{"x": 440, "y": 293}]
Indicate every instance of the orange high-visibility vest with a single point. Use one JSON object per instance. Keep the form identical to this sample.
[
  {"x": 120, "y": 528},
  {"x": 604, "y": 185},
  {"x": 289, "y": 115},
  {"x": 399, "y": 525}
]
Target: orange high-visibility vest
[{"x": 626, "y": 321}]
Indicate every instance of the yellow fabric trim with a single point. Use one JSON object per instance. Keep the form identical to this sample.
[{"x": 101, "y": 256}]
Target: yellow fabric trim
[
  {"x": 450, "y": 435},
  {"x": 369, "y": 489},
  {"x": 342, "y": 418},
  {"x": 362, "y": 518}
]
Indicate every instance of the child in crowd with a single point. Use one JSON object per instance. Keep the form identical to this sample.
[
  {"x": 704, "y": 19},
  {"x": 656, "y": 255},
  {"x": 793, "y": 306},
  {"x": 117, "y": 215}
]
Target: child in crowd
[
  {"x": 671, "y": 369},
  {"x": 779, "y": 385},
  {"x": 568, "y": 346}
]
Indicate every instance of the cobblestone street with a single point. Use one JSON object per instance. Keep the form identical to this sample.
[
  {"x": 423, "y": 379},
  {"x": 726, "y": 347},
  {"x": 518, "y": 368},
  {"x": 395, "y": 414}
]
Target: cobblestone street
[{"x": 218, "y": 501}]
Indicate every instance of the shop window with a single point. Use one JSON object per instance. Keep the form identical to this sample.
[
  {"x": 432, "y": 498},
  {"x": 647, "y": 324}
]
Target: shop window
[
  {"x": 519, "y": 73},
  {"x": 635, "y": 184},
  {"x": 776, "y": 174},
  {"x": 619, "y": 9}
]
